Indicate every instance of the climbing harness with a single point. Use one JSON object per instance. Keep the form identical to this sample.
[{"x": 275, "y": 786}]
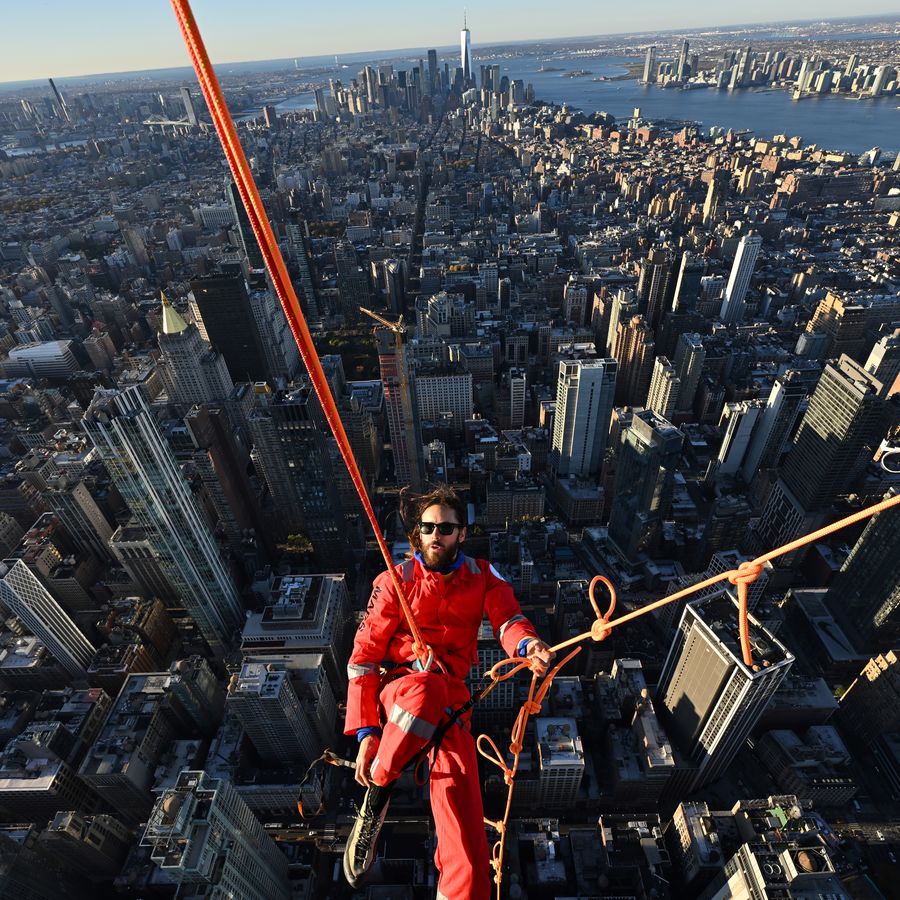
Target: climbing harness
[{"x": 741, "y": 578}]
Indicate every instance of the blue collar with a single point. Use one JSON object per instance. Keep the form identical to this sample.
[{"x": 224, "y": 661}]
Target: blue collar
[{"x": 460, "y": 559}]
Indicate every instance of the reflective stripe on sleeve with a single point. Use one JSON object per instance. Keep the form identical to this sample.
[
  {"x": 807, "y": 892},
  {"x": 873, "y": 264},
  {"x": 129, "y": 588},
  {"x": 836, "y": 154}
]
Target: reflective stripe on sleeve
[
  {"x": 355, "y": 671},
  {"x": 410, "y": 724},
  {"x": 507, "y": 623}
]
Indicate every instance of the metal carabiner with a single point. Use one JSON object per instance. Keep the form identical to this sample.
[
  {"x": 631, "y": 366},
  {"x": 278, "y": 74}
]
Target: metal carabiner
[{"x": 895, "y": 451}]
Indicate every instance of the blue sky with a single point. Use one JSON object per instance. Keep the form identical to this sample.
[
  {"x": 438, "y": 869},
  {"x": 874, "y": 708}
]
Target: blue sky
[{"x": 43, "y": 38}]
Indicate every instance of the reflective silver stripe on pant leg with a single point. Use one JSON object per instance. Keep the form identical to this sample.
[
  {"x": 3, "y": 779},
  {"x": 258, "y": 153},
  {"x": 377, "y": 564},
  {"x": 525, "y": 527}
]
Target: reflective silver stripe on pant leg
[
  {"x": 357, "y": 671},
  {"x": 409, "y": 723},
  {"x": 507, "y": 623},
  {"x": 440, "y": 896}
]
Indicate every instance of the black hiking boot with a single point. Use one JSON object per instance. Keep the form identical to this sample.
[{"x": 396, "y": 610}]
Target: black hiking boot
[{"x": 363, "y": 840}]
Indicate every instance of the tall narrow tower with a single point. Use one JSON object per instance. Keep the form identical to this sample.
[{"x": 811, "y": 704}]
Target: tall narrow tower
[
  {"x": 732, "y": 310},
  {"x": 145, "y": 473},
  {"x": 465, "y": 49}
]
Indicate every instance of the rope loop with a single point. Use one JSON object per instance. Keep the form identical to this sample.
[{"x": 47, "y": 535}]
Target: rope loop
[{"x": 745, "y": 574}]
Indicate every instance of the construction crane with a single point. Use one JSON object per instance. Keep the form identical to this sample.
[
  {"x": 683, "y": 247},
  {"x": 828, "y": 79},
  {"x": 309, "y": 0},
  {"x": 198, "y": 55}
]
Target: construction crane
[{"x": 410, "y": 431}]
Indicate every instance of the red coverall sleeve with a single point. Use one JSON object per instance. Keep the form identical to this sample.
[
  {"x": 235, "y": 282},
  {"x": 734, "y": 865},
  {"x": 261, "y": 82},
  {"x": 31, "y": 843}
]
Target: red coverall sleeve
[
  {"x": 369, "y": 649},
  {"x": 505, "y": 614}
]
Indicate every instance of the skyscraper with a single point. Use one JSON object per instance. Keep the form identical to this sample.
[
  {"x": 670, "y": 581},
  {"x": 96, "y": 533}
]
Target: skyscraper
[
  {"x": 189, "y": 109},
  {"x": 24, "y": 596},
  {"x": 649, "y": 75},
  {"x": 866, "y": 592},
  {"x": 194, "y": 372},
  {"x": 684, "y": 61},
  {"x": 249, "y": 244},
  {"x": 202, "y": 833},
  {"x": 648, "y": 454},
  {"x": 635, "y": 352},
  {"x": 82, "y": 518},
  {"x": 266, "y": 704},
  {"x": 465, "y": 50},
  {"x": 708, "y": 699},
  {"x": 147, "y": 476},
  {"x": 884, "y": 362},
  {"x": 664, "y": 386},
  {"x": 585, "y": 389},
  {"x": 690, "y": 356},
  {"x": 733, "y": 306},
  {"x": 656, "y": 285},
  {"x": 225, "y": 319},
  {"x": 687, "y": 287},
  {"x": 400, "y": 407}
]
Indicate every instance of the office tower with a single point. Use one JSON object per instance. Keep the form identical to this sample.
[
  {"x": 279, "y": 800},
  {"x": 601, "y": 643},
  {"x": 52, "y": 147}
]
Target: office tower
[
  {"x": 775, "y": 424},
  {"x": 575, "y": 301},
  {"x": 585, "y": 389},
  {"x": 280, "y": 351},
  {"x": 400, "y": 406},
  {"x": 137, "y": 246},
  {"x": 24, "y": 596},
  {"x": 150, "y": 712},
  {"x": 738, "y": 421},
  {"x": 882, "y": 74},
  {"x": 684, "y": 57},
  {"x": 221, "y": 460},
  {"x": 433, "y": 80},
  {"x": 648, "y": 456},
  {"x": 687, "y": 287},
  {"x": 732, "y": 311},
  {"x": 270, "y": 116},
  {"x": 266, "y": 704},
  {"x": 193, "y": 371},
  {"x": 135, "y": 553},
  {"x": 94, "y": 846},
  {"x": 696, "y": 844},
  {"x": 63, "y": 109},
  {"x": 444, "y": 395},
  {"x": 225, "y": 318},
  {"x": 842, "y": 418},
  {"x": 655, "y": 285},
  {"x": 870, "y": 707},
  {"x": 649, "y": 66},
  {"x": 709, "y": 700},
  {"x": 561, "y": 761},
  {"x": 249, "y": 244},
  {"x": 202, "y": 833},
  {"x": 77, "y": 511},
  {"x": 690, "y": 355},
  {"x": 517, "y": 394},
  {"x": 31, "y": 873},
  {"x": 189, "y": 108},
  {"x": 635, "y": 352},
  {"x": 866, "y": 592},
  {"x": 294, "y": 448},
  {"x": 664, "y": 387},
  {"x": 624, "y": 306},
  {"x": 715, "y": 194},
  {"x": 150, "y": 481},
  {"x": 465, "y": 50},
  {"x": 884, "y": 362},
  {"x": 298, "y": 251}
]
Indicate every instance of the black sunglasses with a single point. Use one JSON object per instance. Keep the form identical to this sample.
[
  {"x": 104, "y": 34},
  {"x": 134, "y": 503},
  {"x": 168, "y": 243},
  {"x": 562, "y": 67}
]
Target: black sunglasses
[{"x": 442, "y": 527}]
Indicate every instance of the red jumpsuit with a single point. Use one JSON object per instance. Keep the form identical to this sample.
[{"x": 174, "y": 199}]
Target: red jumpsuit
[{"x": 409, "y": 705}]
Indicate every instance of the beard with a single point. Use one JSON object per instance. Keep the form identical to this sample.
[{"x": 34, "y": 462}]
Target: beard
[{"x": 439, "y": 557}]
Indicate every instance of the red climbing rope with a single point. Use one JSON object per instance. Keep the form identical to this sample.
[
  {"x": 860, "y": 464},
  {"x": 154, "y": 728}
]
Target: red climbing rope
[{"x": 281, "y": 281}]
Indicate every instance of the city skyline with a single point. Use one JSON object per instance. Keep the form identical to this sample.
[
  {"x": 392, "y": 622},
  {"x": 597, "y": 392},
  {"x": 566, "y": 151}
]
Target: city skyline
[{"x": 99, "y": 32}]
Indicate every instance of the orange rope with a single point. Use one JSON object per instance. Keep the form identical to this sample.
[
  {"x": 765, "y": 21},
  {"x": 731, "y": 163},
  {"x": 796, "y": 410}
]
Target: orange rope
[{"x": 284, "y": 289}]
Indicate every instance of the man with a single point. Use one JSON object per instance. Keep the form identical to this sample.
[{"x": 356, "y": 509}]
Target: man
[{"x": 394, "y": 713}]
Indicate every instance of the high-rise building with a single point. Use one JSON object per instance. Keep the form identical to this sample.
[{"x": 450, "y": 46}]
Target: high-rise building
[
  {"x": 81, "y": 517},
  {"x": 465, "y": 52},
  {"x": 433, "y": 77},
  {"x": 635, "y": 352},
  {"x": 687, "y": 287},
  {"x": 624, "y": 305},
  {"x": 137, "y": 555},
  {"x": 656, "y": 285},
  {"x": 194, "y": 372},
  {"x": 884, "y": 362},
  {"x": 189, "y": 109},
  {"x": 225, "y": 319},
  {"x": 842, "y": 418},
  {"x": 690, "y": 355},
  {"x": 708, "y": 698},
  {"x": 22, "y": 593},
  {"x": 649, "y": 75},
  {"x": 682, "y": 69},
  {"x": 733, "y": 305},
  {"x": 648, "y": 457},
  {"x": 294, "y": 448},
  {"x": 400, "y": 407},
  {"x": 738, "y": 421},
  {"x": 147, "y": 476},
  {"x": 575, "y": 301},
  {"x": 249, "y": 244},
  {"x": 664, "y": 387},
  {"x": 95, "y": 846},
  {"x": 29, "y": 871},
  {"x": 866, "y": 592},
  {"x": 202, "y": 833},
  {"x": 870, "y": 707},
  {"x": 585, "y": 389},
  {"x": 561, "y": 759},
  {"x": 775, "y": 424},
  {"x": 517, "y": 394},
  {"x": 715, "y": 194},
  {"x": 264, "y": 701}
]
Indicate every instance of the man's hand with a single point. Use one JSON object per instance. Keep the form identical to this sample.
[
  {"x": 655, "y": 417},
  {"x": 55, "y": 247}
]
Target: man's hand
[
  {"x": 541, "y": 653},
  {"x": 368, "y": 749}
]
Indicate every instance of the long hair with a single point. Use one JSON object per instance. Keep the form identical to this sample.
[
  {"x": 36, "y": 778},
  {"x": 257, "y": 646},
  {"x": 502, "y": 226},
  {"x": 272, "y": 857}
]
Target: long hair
[{"x": 413, "y": 505}]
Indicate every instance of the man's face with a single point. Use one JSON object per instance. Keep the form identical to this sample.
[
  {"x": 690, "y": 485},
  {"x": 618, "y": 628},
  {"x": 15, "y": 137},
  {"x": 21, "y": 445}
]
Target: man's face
[{"x": 440, "y": 550}]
